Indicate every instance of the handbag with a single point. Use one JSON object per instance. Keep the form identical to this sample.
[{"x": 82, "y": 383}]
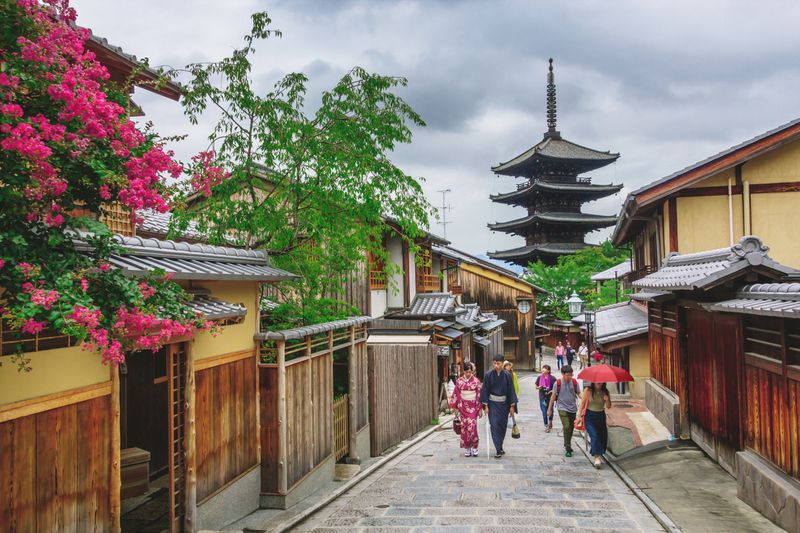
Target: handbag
[
  {"x": 514, "y": 429},
  {"x": 580, "y": 423},
  {"x": 457, "y": 425}
]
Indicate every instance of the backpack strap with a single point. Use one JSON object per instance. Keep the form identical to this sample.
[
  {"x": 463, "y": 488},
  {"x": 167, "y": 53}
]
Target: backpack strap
[{"x": 575, "y": 386}]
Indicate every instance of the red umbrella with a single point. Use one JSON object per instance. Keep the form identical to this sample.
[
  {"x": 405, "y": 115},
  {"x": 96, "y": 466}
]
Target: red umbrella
[{"x": 605, "y": 374}]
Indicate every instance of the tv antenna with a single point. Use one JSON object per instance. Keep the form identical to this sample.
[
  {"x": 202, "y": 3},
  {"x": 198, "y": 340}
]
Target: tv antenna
[{"x": 445, "y": 208}]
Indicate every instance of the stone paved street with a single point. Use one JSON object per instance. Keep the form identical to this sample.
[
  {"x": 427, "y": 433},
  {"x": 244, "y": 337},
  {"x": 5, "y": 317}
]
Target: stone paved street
[{"x": 434, "y": 488}]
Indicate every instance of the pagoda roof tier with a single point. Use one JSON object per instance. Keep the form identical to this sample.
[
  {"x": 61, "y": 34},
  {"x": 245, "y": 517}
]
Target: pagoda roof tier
[
  {"x": 545, "y": 251},
  {"x": 555, "y": 218},
  {"x": 581, "y": 189},
  {"x": 552, "y": 154}
]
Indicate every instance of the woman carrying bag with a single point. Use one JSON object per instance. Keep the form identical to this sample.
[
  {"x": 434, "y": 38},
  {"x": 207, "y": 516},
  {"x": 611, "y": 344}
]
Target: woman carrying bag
[
  {"x": 466, "y": 400},
  {"x": 592, "y": 417}
]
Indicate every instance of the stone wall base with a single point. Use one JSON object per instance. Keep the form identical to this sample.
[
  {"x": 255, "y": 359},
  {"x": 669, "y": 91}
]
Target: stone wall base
[
  {"x": 315, "y": 479},
  {"x": 664, "y": 404},
  {"x": 769, "y": 491},
  {"x": 237, "y": 499}
]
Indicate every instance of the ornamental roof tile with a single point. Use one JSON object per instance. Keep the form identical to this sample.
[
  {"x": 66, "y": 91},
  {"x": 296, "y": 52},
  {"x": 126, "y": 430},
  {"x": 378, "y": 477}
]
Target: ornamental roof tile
[{"x": 705, "y": 269}]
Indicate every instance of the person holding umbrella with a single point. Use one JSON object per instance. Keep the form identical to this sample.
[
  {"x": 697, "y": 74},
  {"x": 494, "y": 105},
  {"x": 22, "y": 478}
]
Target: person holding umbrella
[
  {"x": 595, "y": 399},
  {"x": 592, "y": 413}
]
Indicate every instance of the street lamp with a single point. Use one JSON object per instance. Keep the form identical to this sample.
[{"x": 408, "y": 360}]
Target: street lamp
[{"x": 575, "y": 304}]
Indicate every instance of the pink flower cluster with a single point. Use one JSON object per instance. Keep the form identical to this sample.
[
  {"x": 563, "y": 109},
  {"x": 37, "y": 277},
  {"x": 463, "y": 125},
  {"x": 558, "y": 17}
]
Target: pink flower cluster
[
  {"x": 46, "y": 299},
  {"x": 208, "y": 175}
]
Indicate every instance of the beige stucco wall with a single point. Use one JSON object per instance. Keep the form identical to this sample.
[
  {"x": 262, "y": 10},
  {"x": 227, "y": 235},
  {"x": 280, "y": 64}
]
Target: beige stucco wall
[
  {"x": 236, "y": 337},
  {"x": 703, "y": 222},
  {"x": 779, "y": 165},
  {"x": 52, "y": 371},
  {"x": 775, "y": 218},
  {"x": 717, "y": 180},
  {"x": 639, "y": 360}
]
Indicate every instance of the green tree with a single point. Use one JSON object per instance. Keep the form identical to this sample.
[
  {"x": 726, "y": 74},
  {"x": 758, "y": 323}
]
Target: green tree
[
  {"x": 573, "y": 273},
  {"x": 309, "y": 187}
]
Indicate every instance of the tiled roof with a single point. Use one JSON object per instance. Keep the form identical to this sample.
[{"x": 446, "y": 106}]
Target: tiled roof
[
  {"x": 615, "y": 272},
  {"x": 305, "y": 331},
  {"x": 704, "y": 269},
  {"x": 558, "y": 149},
  {"x": 651, "y": 296},
  {"x": 433, "y": 304},
  {"x": 556, "y": 218},
  {"x": 482, "y": 341},
  {"x": 452, "y": 253},
  {"x": 535, "y": 250},
  {"x": 771, "y": 299},
  {"x": 158, "y": 224},
  {"x": 195, "y": 261},
  {"x": 580, "y": 189},
  {"x": 619, "y": 321},
  {"x": 214, "y": 309},
  {"x": 472, "y": 311}
]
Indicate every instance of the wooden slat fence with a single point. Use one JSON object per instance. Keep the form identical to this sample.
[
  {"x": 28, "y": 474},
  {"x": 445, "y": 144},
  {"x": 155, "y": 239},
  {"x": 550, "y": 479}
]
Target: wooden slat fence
[
  {"x": 54, "y": 469},
  {"x": 341, "y": 427},
  {"x": 227, "y": 435},
  {"x": 402, "y": 392}
]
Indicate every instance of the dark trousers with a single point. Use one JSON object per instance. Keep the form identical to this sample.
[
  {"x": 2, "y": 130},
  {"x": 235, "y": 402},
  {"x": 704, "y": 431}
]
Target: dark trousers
[
  {"x": 498, "y": 422},
  {"x": 570, "y": 358},
  {"x": 598, "y": 431},
  {"x": 544, "y": 404},
  {"x": 568, "y": 423},
  {"x": 559, "y": 361}
]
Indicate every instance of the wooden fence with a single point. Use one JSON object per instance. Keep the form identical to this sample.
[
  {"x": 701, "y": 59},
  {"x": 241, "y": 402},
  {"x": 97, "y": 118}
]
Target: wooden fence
[
  {"x": 402, "y": 392},
  {"x": 297, "y": 409},
  {"x": 341, "y": 427}
]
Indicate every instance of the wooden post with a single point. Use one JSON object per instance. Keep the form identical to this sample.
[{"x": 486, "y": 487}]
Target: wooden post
[
  {"x": 308, "y": 377},
  {"x": 189, "y": 438},
  {"x": 283, "y": 473},
  {"x": 115, "y": 484},
  {"x": 353, "y": 392}
]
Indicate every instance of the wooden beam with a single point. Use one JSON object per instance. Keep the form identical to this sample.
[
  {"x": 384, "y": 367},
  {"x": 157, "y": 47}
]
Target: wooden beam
[
  {"x": 672, "y": 205},
  {"x": 209, "y": 362},
  {"x": 283, "y": 479},
  {"x": 115, "y": 474},
  {"x": 189, "y": 439},
  {"x": 352, "y": 391},
  {"x": 55, "y": 400},
  {"x": 406, "y": 278}
]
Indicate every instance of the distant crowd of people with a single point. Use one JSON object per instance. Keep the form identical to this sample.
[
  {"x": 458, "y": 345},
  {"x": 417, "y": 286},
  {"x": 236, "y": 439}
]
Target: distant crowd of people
[{"x": 498, "y": 396}]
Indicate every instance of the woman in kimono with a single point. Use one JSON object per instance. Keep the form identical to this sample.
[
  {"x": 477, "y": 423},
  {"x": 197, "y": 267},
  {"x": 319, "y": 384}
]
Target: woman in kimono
[{"x": 466, "y": 398}]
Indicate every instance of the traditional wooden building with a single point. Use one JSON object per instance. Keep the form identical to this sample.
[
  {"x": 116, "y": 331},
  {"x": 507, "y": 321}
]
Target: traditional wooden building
[
  {"x": 499, "y": 291},
  {"x": 723, "y": 334},
  {"x": 552, "y": 194}
]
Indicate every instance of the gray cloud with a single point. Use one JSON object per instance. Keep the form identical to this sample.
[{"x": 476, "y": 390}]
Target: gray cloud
[{"x": 663, "y": 83}]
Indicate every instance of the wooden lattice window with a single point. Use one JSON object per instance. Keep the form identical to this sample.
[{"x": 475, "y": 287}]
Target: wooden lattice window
[
  {"x": 118, "y": 218},
  {"x": 427, "y": 281},
  {"x": 13, "y": 340},
  {"x": 377, "y": 272},
  {"x": 453, "y": 277}
]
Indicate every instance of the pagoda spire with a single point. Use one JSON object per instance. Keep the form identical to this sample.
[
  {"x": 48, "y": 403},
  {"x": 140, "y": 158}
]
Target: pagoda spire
[{"x": 551, "y": 103}]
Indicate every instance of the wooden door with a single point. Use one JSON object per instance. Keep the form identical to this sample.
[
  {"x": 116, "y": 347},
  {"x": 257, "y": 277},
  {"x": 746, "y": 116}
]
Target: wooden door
[{"x": 177, "y": 398}]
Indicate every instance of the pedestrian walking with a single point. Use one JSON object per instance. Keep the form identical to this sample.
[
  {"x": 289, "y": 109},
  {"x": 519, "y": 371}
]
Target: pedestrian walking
[
  {"x": 544, "y": 384},
  {"x": 559, "y": 355},
  {"x": 570, "y": 354},
  {"x": 597, "y": 399},
  {"x": 466, "y": 400},
  {"x": 565, "y": 399},
  {"x": 508, "y": 366},
  {"x": 499, "y": 401},
  {"x": 583, "y": 355}
]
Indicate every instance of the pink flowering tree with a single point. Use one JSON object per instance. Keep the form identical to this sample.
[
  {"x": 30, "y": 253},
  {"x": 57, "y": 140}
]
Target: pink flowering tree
[{"x": 67, "y": 149}]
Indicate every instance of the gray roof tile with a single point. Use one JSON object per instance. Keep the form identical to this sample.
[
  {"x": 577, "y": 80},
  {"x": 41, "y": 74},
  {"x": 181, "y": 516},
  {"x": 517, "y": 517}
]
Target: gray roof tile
[
  {"x": 215, "y": 309},
  {"x": 306, "y": 331},
  {"x": 619, "y": 321},
  {"x": 617, "y": 271},
  {"x": 158, "y": 224},
  {"x": 770, "y": 299},
  {"x": 433, "y": 304}
]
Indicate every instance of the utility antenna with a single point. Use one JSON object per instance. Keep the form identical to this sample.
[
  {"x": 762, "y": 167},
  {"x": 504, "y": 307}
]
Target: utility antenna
[{"x": 445, "y": 208}]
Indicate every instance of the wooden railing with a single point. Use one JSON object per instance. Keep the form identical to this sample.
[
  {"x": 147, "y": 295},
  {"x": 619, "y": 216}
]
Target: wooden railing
[
  {"x": 454, "y": 288},
  {"x": 641, "y": 272},
  {"x": 377, "y": 279},
  {"x": 427, "y": 282},
  {"x": 341, "y": 424}
]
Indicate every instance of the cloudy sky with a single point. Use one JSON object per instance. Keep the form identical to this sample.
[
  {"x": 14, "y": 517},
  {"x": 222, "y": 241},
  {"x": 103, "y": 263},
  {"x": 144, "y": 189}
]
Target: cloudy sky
[{"x": 664, "y": 83}]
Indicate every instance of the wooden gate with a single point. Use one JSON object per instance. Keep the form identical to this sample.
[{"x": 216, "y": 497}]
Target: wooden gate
[{"x": 714, "y": 359}]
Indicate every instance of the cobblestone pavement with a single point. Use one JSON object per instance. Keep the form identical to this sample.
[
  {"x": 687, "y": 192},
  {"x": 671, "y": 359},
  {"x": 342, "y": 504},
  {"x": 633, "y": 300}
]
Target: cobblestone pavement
[{"x": 433, "y": 488}]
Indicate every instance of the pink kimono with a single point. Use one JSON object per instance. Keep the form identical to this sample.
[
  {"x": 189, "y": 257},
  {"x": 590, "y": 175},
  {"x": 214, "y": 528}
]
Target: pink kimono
[{"x": 466, "y": 398}]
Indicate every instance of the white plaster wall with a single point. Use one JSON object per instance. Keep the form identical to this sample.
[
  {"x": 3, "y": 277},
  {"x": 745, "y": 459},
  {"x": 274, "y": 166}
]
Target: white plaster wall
[
  {"x": 412, "y": 276},
  {"x": 379, "y": 302}
]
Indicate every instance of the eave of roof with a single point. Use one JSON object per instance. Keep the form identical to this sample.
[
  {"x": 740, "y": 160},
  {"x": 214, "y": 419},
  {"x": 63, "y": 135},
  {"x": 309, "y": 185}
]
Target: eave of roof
[
  {"x": 535, "y": 250},
  {"x": 452, "y": 253},
  {"x": 558, "y": 150},
  {"x": 307, "y": 331},
  {"x": 615, "y": 272},
  {"x": 765, "y": 299},
  {"x": 620, "y": 321},
  {"x": 583, "y": 219},
  {"x": 577, "y": 189}
]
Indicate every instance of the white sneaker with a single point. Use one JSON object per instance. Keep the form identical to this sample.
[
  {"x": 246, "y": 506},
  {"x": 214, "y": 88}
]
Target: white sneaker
[{"x": 597, "y": 462}]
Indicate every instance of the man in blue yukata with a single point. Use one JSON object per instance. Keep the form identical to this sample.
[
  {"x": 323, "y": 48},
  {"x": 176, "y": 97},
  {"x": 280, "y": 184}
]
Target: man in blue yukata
[{"x": 499, "y": 401}]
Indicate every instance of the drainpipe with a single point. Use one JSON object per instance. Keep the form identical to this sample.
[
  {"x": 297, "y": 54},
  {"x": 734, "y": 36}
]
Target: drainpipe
[
  {"x": 730, "y": 210},
  {"x": 746, "y": 205}
]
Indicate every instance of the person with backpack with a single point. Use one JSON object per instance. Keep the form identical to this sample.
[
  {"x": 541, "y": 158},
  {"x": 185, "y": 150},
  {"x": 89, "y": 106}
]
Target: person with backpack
[
  {"x": 570, "y": 354},
  {"x": 544, "y": 384},
  {"x": 565, "y": 398}
]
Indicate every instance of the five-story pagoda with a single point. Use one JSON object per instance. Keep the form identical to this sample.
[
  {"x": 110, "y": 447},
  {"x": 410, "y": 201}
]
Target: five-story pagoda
[{"x": 553, "y": 194}]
